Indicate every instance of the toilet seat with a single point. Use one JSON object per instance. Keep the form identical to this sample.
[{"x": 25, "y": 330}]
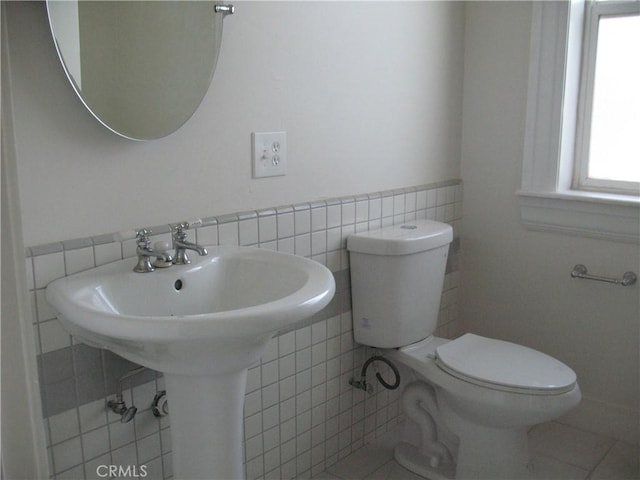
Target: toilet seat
[{"x": 506, "y": 366}]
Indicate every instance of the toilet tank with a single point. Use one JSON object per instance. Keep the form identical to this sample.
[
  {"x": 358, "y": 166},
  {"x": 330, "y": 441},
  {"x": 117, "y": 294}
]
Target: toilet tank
[{"x": 397, "y": 274}]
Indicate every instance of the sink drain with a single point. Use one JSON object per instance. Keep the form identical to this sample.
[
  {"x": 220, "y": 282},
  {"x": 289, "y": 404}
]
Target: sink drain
[{"x": 178, "y": 285}]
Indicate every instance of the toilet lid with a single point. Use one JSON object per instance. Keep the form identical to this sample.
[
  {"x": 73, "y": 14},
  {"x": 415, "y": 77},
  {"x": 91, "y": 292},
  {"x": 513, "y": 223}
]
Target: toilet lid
[{"x": 504, "y": 365}]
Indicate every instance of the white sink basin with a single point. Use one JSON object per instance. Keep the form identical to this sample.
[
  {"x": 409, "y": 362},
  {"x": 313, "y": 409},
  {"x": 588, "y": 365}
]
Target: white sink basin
[
  {"x": 191, "y": 319},
  {"x": 202, "y": 325}
]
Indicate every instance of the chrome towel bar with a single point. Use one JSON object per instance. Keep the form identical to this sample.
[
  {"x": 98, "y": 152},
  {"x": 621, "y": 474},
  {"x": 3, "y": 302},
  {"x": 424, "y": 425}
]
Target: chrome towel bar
[{"x": 580, "y": 271}]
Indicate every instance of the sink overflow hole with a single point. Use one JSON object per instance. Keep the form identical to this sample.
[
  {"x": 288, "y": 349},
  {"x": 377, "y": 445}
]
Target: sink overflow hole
[{"x": 178, "y": 285}]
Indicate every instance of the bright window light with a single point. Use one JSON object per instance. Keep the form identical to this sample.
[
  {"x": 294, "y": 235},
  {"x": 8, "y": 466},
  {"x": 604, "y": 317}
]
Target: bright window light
[{"x": 614, "y": 150}]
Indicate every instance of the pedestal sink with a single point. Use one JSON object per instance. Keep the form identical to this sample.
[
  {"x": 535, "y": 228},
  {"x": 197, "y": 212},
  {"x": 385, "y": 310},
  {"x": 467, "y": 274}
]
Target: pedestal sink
[{"x": 202, "y": 325}]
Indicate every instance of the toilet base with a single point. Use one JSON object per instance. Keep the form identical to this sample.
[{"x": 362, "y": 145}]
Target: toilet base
[
  {"x": 408, "y": 456},
  {"x": 492, "y": 453}
]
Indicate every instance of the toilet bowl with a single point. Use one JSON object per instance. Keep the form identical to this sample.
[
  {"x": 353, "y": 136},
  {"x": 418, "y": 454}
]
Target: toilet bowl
[
  {"x": 489, "y": 410},
  {"x": 475, "y": 397}
]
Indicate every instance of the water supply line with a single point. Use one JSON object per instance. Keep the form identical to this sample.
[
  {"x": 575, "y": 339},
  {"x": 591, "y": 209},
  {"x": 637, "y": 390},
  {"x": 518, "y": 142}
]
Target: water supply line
[
  {"x": 118, "y": 405},
  {"x": 362, "y": 383}
]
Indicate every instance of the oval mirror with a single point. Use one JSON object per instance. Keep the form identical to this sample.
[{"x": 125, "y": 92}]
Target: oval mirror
[{"x": 141, "y": 67}]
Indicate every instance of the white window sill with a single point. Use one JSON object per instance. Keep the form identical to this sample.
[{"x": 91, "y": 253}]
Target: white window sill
[{"x": 596, "y": 215}]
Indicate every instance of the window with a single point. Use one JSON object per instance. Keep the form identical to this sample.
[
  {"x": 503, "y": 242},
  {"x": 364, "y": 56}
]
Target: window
[
  {"x": 607, "y": 144},
  {"x": 570, "y": 182}
]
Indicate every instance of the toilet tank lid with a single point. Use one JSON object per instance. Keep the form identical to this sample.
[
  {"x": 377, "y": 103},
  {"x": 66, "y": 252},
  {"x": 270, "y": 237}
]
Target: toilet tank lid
[{"x": 403, "y": 239}]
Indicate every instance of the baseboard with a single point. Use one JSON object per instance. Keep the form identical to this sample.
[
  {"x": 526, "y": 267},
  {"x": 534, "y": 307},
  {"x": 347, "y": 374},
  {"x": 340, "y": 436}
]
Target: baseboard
[{"x": 606, "y": 419}]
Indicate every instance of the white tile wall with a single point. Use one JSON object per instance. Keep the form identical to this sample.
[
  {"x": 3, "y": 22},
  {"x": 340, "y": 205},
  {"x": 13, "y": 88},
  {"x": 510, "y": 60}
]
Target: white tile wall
[{"x": 301, "y": 416}]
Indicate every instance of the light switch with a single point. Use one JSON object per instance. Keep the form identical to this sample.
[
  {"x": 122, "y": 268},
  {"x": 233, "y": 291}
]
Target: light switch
[{"x": 269, "y": 154}]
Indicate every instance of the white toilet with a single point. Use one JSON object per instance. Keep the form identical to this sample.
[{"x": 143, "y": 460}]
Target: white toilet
[{"x": 476, "y": 397}]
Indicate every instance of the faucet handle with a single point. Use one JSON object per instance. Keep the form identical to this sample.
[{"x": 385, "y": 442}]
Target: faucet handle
[
  {"x": 142, "y": 236},
  {"x": 187, "y": 224},
  {"x": 179, "y": 228},
  {"x": 178, "y": 231}
]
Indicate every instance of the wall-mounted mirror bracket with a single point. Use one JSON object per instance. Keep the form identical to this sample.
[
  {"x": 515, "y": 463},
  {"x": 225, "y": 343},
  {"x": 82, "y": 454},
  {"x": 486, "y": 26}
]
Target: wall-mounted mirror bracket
[{"x": 227, "y": 9}]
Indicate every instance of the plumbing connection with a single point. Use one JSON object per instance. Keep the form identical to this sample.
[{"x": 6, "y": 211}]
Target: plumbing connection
[
  {"x": 362, "y": 383},
  {"x": 160, "y": 407}
]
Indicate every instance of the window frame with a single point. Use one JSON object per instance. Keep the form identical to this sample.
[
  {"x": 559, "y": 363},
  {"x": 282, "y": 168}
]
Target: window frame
[
  {"x": 547, "y": 200},
  {"x": 594, "y": 11}
]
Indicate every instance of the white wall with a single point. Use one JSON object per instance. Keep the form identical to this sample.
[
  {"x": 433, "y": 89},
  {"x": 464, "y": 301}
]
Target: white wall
[
  {"x": 515, "y": 282},
  {"x": 368, "y": 93}
]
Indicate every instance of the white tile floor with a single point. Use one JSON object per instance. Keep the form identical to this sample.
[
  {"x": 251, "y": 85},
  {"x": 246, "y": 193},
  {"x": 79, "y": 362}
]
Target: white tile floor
[{"x": 559, "y": 452}]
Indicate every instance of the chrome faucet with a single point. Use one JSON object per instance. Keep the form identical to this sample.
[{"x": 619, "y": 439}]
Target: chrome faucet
[
  {"x": 181, "y": 245},
  {"x": 145, "y": 252}
]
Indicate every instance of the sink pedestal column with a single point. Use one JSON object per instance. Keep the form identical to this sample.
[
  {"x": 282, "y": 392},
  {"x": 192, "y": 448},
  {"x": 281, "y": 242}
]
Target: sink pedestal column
[{"x": 206, "y": 415}]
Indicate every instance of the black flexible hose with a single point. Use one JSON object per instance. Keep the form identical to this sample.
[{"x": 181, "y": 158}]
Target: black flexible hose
[{"x": 363, "y": 374}]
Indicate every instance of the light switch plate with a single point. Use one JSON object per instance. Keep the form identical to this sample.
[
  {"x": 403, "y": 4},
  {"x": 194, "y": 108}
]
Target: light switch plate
[{"x": 269, "y": 154}]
